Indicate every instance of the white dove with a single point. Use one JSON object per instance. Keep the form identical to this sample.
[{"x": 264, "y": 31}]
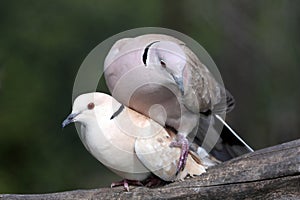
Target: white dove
[
  {"x": 129, "y": 143},
  {"x": 159, "y": 69}
]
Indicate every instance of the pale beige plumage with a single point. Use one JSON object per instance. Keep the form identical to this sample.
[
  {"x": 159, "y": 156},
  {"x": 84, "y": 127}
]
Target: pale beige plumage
[
  {"x": 129, "y": 143},
  {"x": 162, "y": 160}
]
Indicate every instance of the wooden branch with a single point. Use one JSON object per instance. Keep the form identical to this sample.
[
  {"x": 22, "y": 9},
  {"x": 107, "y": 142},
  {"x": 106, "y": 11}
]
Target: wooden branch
[{"x": 271, "y": 173}]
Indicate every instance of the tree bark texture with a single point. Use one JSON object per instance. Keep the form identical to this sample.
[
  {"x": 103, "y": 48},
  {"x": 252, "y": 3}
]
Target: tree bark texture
[{"x": 271, "y": 173}]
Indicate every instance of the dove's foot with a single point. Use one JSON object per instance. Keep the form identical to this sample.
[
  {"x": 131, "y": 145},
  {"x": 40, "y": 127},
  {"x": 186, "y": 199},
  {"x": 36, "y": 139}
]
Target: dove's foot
[
  {"x": 153, "y": 181},
  {"x": 183, "y": 143},
  {"x": 125, "y": 183}
]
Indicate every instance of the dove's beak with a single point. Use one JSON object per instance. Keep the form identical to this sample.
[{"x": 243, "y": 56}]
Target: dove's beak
[
  {"x": 69, "y": 119},
  {"x": 179, "y": 82}
]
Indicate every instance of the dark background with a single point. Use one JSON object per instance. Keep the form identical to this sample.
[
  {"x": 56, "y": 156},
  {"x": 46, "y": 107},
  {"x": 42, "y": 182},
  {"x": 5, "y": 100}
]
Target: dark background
[{"x": 255, "y": 44}]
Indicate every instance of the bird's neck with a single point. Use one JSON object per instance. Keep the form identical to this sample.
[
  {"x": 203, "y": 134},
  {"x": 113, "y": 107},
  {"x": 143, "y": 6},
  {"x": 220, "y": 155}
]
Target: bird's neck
[{"x": 91, "y": 134}]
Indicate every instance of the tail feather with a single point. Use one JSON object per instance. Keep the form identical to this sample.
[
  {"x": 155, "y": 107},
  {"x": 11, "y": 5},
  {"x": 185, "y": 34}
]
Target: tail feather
[
  {"x": 224, "y": 146},
  {"x": 237, "y": 137}
]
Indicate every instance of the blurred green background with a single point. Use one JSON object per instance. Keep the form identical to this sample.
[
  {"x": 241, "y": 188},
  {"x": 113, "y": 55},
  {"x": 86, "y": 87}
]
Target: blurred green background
[{"x": 255, "y": 44}]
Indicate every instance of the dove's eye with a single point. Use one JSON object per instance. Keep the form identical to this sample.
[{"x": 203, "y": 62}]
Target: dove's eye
[
  {"x": 91, "y": 106},
  {"x": 163, "y": 64}
]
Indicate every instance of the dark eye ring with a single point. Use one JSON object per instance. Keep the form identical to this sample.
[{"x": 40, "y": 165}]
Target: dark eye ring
[{"x": 91, "y": 106}]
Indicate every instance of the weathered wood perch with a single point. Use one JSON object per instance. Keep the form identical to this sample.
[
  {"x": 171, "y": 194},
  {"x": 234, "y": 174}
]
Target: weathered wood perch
[{"x": 271, "y": 173}]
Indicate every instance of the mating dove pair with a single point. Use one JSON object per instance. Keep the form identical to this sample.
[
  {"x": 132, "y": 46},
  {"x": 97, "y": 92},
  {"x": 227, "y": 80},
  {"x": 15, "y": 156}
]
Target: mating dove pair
[{"x": 161, "y": 78}]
